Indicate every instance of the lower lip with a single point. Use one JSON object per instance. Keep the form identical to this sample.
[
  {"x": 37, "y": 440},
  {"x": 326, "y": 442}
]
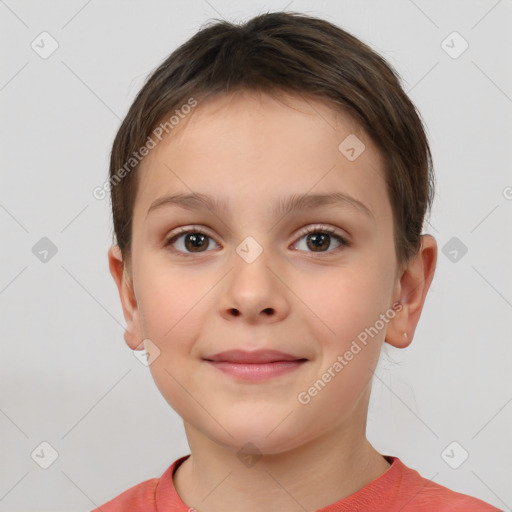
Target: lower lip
[{"x": 257, "y": 371}]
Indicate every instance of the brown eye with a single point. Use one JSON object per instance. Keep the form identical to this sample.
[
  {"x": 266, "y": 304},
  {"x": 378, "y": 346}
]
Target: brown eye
[
  {"x": 189, "y": 241},
  {"x": 319, "y": 239},
  {"x": 195, "y": 242}
]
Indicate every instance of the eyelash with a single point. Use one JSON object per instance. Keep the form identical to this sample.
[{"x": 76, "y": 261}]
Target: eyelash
[{"x": 317, "y": 228}]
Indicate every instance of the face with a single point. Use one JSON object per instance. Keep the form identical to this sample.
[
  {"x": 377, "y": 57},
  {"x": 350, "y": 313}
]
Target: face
[{"x": 246, "y": 272}]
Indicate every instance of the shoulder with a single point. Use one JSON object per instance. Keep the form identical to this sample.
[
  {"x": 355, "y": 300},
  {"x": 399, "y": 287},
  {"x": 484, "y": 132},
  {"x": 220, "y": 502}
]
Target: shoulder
[
  {"x": 139, "y": 498},
  {"x": 422, "y": 494},
  {"x": 148, "y": 495}
]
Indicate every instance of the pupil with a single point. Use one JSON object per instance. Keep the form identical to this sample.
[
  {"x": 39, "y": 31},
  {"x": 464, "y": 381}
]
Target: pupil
[
  {"x": 197, "y": 240},
  {"x": 315, "y": 237}
]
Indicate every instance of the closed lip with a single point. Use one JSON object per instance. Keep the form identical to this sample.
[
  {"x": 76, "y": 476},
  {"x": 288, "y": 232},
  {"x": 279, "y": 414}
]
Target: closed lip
[{"x": 254, "y": 357}]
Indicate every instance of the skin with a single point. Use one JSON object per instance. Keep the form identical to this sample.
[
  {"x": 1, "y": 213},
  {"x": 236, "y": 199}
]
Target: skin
[{"x": 251, "y": 149}]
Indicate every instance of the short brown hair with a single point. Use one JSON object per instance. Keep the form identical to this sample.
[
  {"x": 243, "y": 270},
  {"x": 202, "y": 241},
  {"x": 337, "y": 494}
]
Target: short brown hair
[{"x": 295, "y": 53}]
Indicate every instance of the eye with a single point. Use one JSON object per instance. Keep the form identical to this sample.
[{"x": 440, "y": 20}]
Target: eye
[
  {"x": 320, "y": 237},
  {"x": 194, "y": 240}
]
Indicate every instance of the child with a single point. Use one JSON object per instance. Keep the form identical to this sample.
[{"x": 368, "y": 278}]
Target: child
[{"x": 269, "y": 186}]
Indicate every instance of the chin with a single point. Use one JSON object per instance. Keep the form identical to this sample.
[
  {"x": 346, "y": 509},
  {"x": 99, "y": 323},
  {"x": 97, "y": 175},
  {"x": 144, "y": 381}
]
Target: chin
[{"x": 258, "y": 435}]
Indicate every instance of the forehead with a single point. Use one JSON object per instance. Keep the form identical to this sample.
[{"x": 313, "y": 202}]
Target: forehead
[{"x": 251, "y": 147}]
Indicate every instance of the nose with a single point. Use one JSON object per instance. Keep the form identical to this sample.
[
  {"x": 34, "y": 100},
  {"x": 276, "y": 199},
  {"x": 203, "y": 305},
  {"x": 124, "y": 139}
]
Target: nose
[{"x": 255, "y": 292}]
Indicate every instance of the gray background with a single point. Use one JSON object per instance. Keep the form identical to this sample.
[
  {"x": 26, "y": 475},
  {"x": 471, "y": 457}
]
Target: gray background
[{"x": 67, "y": 376}]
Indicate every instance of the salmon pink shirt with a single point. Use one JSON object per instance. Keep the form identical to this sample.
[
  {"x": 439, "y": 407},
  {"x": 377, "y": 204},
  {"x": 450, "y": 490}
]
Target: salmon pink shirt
[{"x": 398, "y": 489}]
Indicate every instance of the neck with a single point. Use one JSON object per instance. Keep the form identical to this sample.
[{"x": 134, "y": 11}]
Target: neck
[{"x": 311, "y": 476}]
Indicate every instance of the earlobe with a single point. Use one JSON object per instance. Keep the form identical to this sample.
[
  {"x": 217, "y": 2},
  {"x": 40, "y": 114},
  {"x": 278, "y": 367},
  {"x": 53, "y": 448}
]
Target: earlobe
[
  {"x": 411, "y": 292},
  {"x": 397, "y": 334},
  {"x": 132, "y": 333}
]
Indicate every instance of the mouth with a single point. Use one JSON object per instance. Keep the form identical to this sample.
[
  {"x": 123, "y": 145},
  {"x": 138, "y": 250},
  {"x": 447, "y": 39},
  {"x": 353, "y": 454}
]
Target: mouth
[{"x": 256, "y": 365}]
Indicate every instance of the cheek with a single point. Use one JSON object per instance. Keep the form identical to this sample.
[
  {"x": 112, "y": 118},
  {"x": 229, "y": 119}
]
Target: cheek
[
  {"x": 342, "y": 302},
  {"x": 172, "y": 313},
  {"x": 168, "y": 305},
  {"x": 345, "y": 326},
  {"x": 171, "y": 324}
]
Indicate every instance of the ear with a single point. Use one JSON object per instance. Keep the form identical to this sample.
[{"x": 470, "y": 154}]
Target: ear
[
  {"x": 411, "y": 290},
  {"x": 133, "y": 332}
]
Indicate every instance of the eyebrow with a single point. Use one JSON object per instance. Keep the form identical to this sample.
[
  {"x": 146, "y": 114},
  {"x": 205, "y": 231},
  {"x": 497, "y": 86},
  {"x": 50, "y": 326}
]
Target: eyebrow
[{"x": 197, "y": 201}]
